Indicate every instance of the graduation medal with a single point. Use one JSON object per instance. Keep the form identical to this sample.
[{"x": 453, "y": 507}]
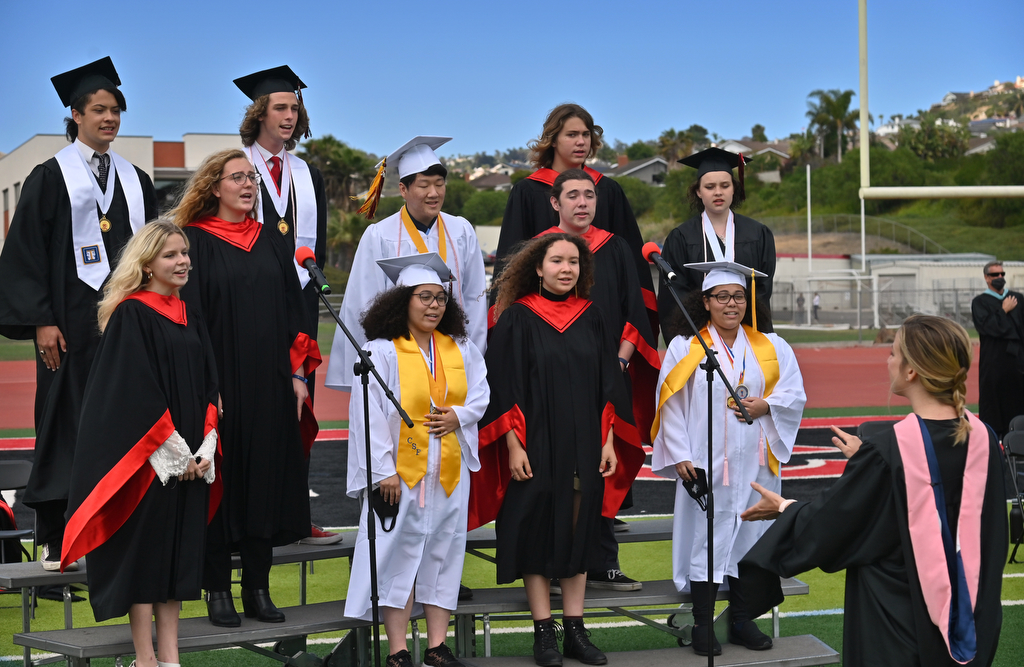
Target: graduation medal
[
  {"x": 741, "y": 391},
  {"x": 282, "y": 227},
  {"x": 104, "y": 224}
]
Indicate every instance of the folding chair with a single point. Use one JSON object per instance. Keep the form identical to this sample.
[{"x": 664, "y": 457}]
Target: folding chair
[
  {"x": 13, "y": 476},
  {"x": 1017, "y": 423},
  {"x": 1013, "y": 449}
]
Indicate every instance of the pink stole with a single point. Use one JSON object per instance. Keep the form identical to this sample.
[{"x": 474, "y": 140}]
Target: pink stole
[{"x": 925, "y": 526}]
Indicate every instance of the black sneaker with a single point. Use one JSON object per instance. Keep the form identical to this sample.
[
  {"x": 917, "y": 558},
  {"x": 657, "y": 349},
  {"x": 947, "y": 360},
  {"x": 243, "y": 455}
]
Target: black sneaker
[
  {"x": 749, "y": 635},
  {"x": 441, "y": 656},
  {"x": 612, "y": 580},
  {"x": 401, "y": 659},
  {"x": 699, "y": 639},
  {"x": 620, "y": 526},
  {"x": 465, "y": 593},
  {"x": 577, "y": 644},
  {"x": 545, "y": 643}
]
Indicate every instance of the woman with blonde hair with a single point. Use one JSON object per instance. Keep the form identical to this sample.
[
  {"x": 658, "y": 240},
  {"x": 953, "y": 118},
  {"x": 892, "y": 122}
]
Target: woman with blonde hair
[
  {"x": 918, "y": 519},
  {"x": 245, "y": 286},
  {"x": 145, "y": 453}
]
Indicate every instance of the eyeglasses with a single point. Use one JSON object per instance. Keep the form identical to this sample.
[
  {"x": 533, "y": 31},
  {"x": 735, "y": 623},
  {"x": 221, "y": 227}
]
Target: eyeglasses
[
  {"x": 427, "y": 298},
  {"x": 723, "y": 297},
  {"x": 239, "y": 177},
  {"x": 996, "y": 275}
]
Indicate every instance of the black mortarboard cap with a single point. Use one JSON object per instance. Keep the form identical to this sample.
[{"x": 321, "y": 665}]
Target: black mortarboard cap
[
  {"x": 85, "y": 79},
  {"x": 713, "y": 159},
  {"x": 275, "y": 80}
]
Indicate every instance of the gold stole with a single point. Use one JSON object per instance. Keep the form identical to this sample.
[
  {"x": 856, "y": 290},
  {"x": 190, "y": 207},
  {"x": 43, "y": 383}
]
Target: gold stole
[
  {"x": 764, "y": 353},
  {"x": 417, "y": 238},
  {"x": 448, "y": 388}
]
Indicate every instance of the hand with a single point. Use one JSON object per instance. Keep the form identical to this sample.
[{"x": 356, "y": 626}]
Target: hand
[
  {"x": 756, "y": 407},
  {"x": 609, "y": 462},
  {"x": 301, "y": 393},
  {"x": 391, "y": 488},
  {"x": 443, "y": 422},
  {"x": 847, "y": 443},
  {"x": 1009, "y": 303},
  {"x": 518, "y": 461},
  {"x": 220, "y": 407},
  {"x": 51, "y": 343},
  {"x": 766, "y": 508},
  {"x": 204, "y": 467},
  {"x": 686, "y": 471},
  {"x": 193, "y": 471}
]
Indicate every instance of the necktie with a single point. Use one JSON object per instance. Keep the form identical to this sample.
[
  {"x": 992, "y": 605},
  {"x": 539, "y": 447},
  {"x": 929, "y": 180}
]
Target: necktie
[
  {"x": 104, "y": 169},
  {"x": 275, "y": 171}
]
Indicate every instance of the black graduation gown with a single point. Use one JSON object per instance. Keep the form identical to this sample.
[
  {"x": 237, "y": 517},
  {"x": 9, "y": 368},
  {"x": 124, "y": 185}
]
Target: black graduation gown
[
  {"x": 754, "y": 244},
  {"x": 310, "y": 296},
  {"x": 151, "y": 375},
  {"x": 1000, "y": 360},
  {"x": 860, "y": 525},
  {"x": 529, "y": 212},
  {"x": 252, "y": 306},
  {"x": 40, "y": 287},
  {"x": 566, "y": 387}
]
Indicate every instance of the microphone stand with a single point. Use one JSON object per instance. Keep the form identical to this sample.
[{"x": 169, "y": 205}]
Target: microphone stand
[
  {"x": 363, "y": 368},
  {"x": 711, "y": 366}
]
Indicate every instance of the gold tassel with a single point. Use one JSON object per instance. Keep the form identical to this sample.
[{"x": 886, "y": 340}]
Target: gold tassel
[{"x": 369, "y": 207}]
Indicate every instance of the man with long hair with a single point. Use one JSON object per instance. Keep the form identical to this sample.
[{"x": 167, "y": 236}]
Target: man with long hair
[{"x": 76, "y": 212}]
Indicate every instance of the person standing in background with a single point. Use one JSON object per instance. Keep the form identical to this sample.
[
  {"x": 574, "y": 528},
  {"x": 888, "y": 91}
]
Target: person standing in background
[{"x": 1000, "y": 323}]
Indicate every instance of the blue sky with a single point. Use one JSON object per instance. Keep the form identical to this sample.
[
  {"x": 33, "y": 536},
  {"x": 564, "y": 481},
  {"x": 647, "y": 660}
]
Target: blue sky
[{"x": 487, "y": 72}]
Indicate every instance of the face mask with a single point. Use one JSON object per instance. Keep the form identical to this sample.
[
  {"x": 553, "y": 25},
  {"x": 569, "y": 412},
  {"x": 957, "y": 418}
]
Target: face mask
[{"x": 998, "y": 284}]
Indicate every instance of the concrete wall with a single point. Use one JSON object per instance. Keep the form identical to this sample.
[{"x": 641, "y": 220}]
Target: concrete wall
[{"x": 198, "y": 146}]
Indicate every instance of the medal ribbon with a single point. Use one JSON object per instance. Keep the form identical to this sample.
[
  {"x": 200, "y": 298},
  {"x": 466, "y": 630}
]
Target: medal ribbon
[
  {"x": 712, "y": 239},
  {"x": 446, "y": 386},
  {"x": 417, "y": 238}
]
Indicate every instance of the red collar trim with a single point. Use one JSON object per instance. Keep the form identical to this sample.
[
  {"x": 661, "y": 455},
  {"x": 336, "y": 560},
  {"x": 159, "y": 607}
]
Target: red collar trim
[
  {"x": 547, "y": 176},
  {"x": 559, "y": 314},
  {"x": 595, "y": 236},
  {"x": 170, "y": 307},
  {"x": 239, "y": 234}
]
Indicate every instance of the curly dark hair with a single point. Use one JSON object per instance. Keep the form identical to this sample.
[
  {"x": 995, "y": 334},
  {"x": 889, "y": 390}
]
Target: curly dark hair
[
  {"x": 519, "y": 277},
  {"x": 697, "y": 206},
  {"x": 257, "y": 111},
  {"x": 694, "y": 303},
  {"x": 388, "y": 316}
]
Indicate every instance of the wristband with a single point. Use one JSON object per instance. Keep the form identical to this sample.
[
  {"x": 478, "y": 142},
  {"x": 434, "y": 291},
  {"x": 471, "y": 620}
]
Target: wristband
[
  {"x": 624, "y": 362},
  {"x": 299, "y": 377},
  {"x": 785, "y": 504}
]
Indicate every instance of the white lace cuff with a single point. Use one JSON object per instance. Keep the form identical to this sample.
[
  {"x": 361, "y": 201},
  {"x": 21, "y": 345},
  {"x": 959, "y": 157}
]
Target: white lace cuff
[
  {"x": 207, "y": 451},
  {"x": 171, "y": 458}
]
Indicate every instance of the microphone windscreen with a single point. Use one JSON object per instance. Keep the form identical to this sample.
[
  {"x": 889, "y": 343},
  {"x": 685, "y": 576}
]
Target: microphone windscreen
[
  {"x": 650, "y": 248},
  {"x": 302, "y": 253}
]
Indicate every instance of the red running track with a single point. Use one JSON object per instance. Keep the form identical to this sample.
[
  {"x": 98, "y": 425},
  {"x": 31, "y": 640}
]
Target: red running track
[{"x": 834, "y": 377}]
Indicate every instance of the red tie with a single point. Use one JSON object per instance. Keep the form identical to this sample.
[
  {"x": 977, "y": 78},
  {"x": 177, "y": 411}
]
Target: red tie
[{"x": 275, "y": 171}]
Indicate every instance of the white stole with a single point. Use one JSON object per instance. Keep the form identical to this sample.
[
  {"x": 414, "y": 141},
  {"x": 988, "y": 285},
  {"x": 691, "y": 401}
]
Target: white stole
[
  {"x": 85, "y": 195},
  {"x": 293, "y": 170},
  {"x": 712, "y": 239}
]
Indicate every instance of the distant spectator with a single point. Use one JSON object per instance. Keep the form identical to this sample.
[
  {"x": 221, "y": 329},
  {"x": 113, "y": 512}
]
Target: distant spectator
[
  {"x": 800, "y": 301},
  {"x": 1000, "y": 324},
  {"x": 816, "y": 303}
]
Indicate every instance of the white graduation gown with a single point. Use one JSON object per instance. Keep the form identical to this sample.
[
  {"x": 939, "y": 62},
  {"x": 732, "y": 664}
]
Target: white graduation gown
[
  {"x": 427, "y": 546},
  {"x": 388, "y": 238},
  {"x": 683, "y": 437}
]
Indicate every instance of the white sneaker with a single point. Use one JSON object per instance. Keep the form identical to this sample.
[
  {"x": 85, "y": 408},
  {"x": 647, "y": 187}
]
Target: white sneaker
[{"x": 52, "y": 563}]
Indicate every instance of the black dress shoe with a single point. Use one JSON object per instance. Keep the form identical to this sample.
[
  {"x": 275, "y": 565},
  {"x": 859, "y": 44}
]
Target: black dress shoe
[
  {"x": 257, "y": 604},
  {"x": 221, "y": 609}
]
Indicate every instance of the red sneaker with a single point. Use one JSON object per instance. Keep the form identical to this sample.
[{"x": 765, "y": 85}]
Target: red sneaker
[{"x": 320, "y": 536}]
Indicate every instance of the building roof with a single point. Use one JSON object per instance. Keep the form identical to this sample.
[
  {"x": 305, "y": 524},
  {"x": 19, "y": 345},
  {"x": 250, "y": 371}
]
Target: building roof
[
  {"x": 748, "y": 146},
  {"x": 491, "y": 182},
  {"x": 635, "y": 165}
]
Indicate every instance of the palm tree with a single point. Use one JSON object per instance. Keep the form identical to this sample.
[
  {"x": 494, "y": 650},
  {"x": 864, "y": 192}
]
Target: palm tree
[
  {"x": 673, "y": 145},
  {"x": 832, "y": 111},
  {"x": 346, "y": 170}
]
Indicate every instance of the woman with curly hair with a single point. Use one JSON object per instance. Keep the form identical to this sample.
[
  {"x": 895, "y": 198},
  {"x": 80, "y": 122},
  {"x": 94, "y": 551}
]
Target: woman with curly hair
[
  {"x": 557, "y": 444},
  {"x": 918, "y": 519},
  {"x": 568, "y": 139},
  {"x": 416, "y": 335},
  {"x": 245, "y": 288},
  {"x": 144, "y": 458}
]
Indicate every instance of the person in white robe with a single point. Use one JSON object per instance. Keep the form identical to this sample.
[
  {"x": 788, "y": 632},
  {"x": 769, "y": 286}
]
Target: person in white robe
[
  {"x": 420, "y": 557},
  {"x": 764, "y": 371},
  {"x": 420, "y": 227}
]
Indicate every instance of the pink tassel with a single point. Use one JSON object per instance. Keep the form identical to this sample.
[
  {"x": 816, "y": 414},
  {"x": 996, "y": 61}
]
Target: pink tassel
[
  {"x": 725, "y": 473},
  {"x": 760, "y": 450},
  {"x": 423, "y": 491}
]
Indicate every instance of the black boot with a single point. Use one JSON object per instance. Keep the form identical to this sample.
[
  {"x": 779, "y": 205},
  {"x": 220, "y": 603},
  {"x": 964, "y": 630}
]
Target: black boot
[
  {"x": 257, "y": 604},
  {"x": 546, "y": 634},
  {"x": 703, "y": 618},
  {"x": 742, "y": 629},
  {"x": 577, "y": 643},
  {"x": 221, "y": 609}
]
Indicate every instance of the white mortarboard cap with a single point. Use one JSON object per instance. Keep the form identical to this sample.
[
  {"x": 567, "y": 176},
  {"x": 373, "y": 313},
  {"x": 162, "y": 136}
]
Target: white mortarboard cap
[
  {"x": 422, "y": 269},
  {"x": 724, "y": 273},
  {"x": 416, "y": 155}
]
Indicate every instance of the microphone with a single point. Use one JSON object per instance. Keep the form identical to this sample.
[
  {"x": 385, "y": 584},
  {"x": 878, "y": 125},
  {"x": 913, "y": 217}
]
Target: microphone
[
  {"x": 305, "y": 257},
  {"x": 652, "y": 253}
]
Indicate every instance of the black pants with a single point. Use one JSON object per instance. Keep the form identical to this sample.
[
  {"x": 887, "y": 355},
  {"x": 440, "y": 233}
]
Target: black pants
[
  {"x": 50, "y": 523},
  {"x": 257, "y": 556}
]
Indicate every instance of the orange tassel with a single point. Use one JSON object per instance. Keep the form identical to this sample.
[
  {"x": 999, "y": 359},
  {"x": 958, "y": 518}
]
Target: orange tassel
[
  {"x": 753, "y": 297},
  {"x": 369, "y": 207}
]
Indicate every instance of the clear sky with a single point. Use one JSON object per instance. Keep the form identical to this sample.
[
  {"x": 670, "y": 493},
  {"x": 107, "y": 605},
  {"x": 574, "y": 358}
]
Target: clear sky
[{"x": 487, "y": 72}]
